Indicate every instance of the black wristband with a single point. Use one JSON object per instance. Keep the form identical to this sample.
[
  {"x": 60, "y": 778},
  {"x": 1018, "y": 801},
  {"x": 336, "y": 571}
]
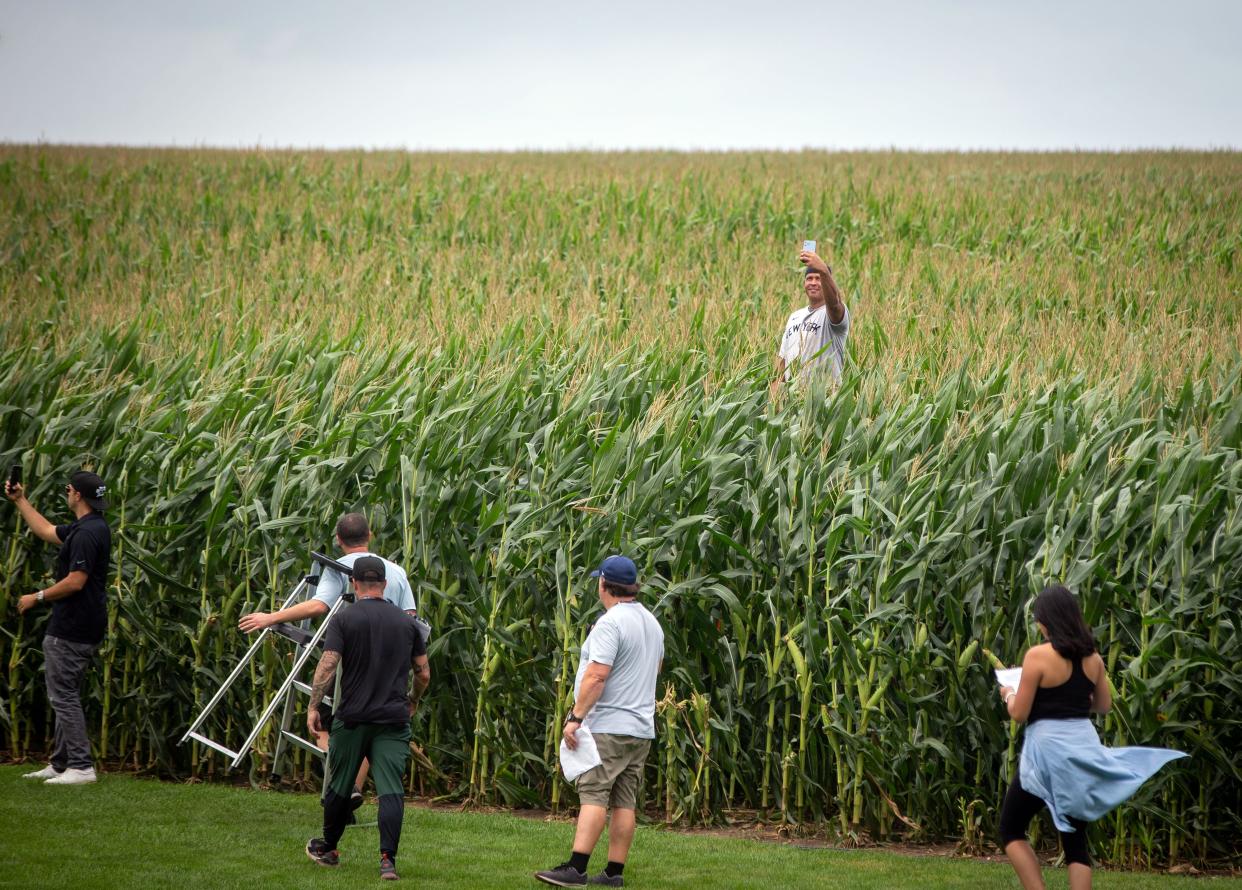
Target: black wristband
[{"x": 573, "y": 718}]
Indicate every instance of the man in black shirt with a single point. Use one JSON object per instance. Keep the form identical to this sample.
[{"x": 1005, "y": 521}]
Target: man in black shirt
[
  {"x": 375, "y": 644},
  {"x": 79, "y": 617}
]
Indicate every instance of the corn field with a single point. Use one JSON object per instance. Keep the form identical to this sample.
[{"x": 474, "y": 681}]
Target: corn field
[{"x": 516, "y": 364}]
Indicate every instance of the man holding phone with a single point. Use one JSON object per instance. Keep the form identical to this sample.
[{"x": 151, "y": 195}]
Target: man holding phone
[
  {"x": 814, "y": 336},
  {"x": 79, "y": 616}
]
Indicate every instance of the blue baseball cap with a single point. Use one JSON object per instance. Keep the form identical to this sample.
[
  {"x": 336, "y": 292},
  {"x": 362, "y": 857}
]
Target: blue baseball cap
[{"x": 617, "y": 570}]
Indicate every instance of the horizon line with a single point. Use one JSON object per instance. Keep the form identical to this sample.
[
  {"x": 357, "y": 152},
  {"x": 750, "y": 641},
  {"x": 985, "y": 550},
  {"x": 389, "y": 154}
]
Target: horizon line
[{"x": 637, "y": 149}]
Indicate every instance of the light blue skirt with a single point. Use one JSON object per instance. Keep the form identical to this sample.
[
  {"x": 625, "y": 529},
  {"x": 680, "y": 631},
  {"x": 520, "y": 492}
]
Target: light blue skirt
[{"x": 1064, "y": 763}]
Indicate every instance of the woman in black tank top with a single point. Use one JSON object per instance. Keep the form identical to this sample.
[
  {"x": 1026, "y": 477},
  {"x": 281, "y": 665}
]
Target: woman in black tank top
[
  {"x": 1061, "y": 621},
  {"x": 1064, "y": 766},
  {"x": 1069, "y": 701}
]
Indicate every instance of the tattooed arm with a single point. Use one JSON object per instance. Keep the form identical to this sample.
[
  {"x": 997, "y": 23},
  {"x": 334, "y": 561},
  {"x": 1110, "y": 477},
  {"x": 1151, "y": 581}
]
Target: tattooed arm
[{"x": 325, "y": 673}]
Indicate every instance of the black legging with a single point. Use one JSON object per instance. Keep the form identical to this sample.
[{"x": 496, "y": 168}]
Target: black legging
[{"x": 1020, "y": 807}]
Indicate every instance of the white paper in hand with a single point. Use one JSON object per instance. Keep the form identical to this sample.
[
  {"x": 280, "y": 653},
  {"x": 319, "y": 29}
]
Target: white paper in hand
[
  {"x": 1010, "y": 677},
  {"x": 586, "y": 756}
]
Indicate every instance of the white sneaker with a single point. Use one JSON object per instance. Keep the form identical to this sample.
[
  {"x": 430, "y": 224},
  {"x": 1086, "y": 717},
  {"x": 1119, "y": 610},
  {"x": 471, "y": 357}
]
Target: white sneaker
[
  {"x": 48, "y": 772},
  {"x": 73, "y": 777}
]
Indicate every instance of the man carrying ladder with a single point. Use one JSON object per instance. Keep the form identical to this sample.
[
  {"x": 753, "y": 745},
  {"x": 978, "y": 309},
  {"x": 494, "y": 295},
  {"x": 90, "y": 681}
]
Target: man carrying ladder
[
  {"x": 353, "y": 536},
  {"x": 375, "y": 647}
]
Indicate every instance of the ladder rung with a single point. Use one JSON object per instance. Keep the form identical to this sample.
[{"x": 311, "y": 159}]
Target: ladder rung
[
  {"x": 304, "y": 688},
  {"x": 298, "y": 740},
  {"x": 232, "y": 755},
  {"x": 299, "y": 635}
]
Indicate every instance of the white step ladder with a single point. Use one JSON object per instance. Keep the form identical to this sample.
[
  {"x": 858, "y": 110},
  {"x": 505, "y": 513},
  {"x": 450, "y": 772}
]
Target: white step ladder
[{"x": 306, "y": 643}]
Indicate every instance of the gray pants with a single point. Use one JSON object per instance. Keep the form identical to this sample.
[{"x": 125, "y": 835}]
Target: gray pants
[{"x": 64, "y": 665}]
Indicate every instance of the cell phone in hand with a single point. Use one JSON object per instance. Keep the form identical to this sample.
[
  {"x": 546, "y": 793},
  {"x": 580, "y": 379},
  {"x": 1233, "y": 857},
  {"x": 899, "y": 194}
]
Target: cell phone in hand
[
  {"x": 15, "y": 475},
  {"x": 808, "y": 246}
]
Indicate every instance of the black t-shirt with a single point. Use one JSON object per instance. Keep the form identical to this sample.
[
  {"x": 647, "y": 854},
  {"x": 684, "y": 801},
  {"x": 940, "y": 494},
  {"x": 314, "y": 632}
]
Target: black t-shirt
[
  {"x": 377, "y": 642},
  {"x": 86, "y": 546}
]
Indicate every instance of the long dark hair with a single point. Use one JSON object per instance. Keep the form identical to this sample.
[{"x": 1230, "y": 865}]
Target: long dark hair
[{"x": 1057, "y": 610}]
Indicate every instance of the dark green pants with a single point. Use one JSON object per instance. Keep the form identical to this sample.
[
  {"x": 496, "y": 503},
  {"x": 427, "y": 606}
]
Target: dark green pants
[{"x": 388, "y": 750}]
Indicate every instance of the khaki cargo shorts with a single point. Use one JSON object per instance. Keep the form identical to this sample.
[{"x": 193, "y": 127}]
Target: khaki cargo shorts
[{"x": 615, "y": 782}]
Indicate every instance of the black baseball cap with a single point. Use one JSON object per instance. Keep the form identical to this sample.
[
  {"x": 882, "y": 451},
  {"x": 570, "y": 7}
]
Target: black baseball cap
[
  {"x": 368, "y": 569},
  {"x": 91, "y": 487}
]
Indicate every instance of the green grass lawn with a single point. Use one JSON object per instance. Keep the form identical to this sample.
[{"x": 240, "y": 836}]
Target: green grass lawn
[{"x": 127, "y": 832}]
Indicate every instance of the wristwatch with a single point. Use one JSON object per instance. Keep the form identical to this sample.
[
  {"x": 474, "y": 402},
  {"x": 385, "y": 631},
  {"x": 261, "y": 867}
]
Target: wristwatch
[
  {"x": 39, "y": 597},
  {"x": 573, "y": 718}
]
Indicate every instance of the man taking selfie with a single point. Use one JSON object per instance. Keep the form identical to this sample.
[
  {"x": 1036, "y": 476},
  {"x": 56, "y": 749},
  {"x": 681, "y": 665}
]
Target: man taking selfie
[
  {"x": 78, "y": 601},
  {"x": 814, "y": 336}
]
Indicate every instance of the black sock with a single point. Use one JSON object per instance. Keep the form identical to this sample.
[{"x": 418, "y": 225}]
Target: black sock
[
  {"x": 579, "y": 861},
  {"x": 614, "y": 869}
]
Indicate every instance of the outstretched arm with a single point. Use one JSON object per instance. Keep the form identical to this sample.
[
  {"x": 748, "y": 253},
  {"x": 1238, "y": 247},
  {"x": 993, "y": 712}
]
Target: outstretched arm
[
  {"x": 833, "y": 300},
  {"x": 259, "y": 620},
  {"x": 42, "y": 529}
]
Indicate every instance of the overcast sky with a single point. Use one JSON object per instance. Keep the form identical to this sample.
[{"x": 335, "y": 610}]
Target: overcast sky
[{"x": 556, "y": 75}]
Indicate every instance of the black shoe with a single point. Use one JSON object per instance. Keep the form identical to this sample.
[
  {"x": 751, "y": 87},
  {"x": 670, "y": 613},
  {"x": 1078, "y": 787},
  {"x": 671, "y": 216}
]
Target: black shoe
[
  {"x": 564, "y": 875},
  {"x": 607, "y": 880},
  {"x": 355, "y": 798},
  {"x": 319, "y": 853},
  {"x": 388, "y": 868}
]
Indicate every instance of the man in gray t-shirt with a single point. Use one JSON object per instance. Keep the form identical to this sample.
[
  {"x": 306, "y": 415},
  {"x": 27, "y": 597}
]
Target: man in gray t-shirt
[{"x": 614, "y": 698}]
